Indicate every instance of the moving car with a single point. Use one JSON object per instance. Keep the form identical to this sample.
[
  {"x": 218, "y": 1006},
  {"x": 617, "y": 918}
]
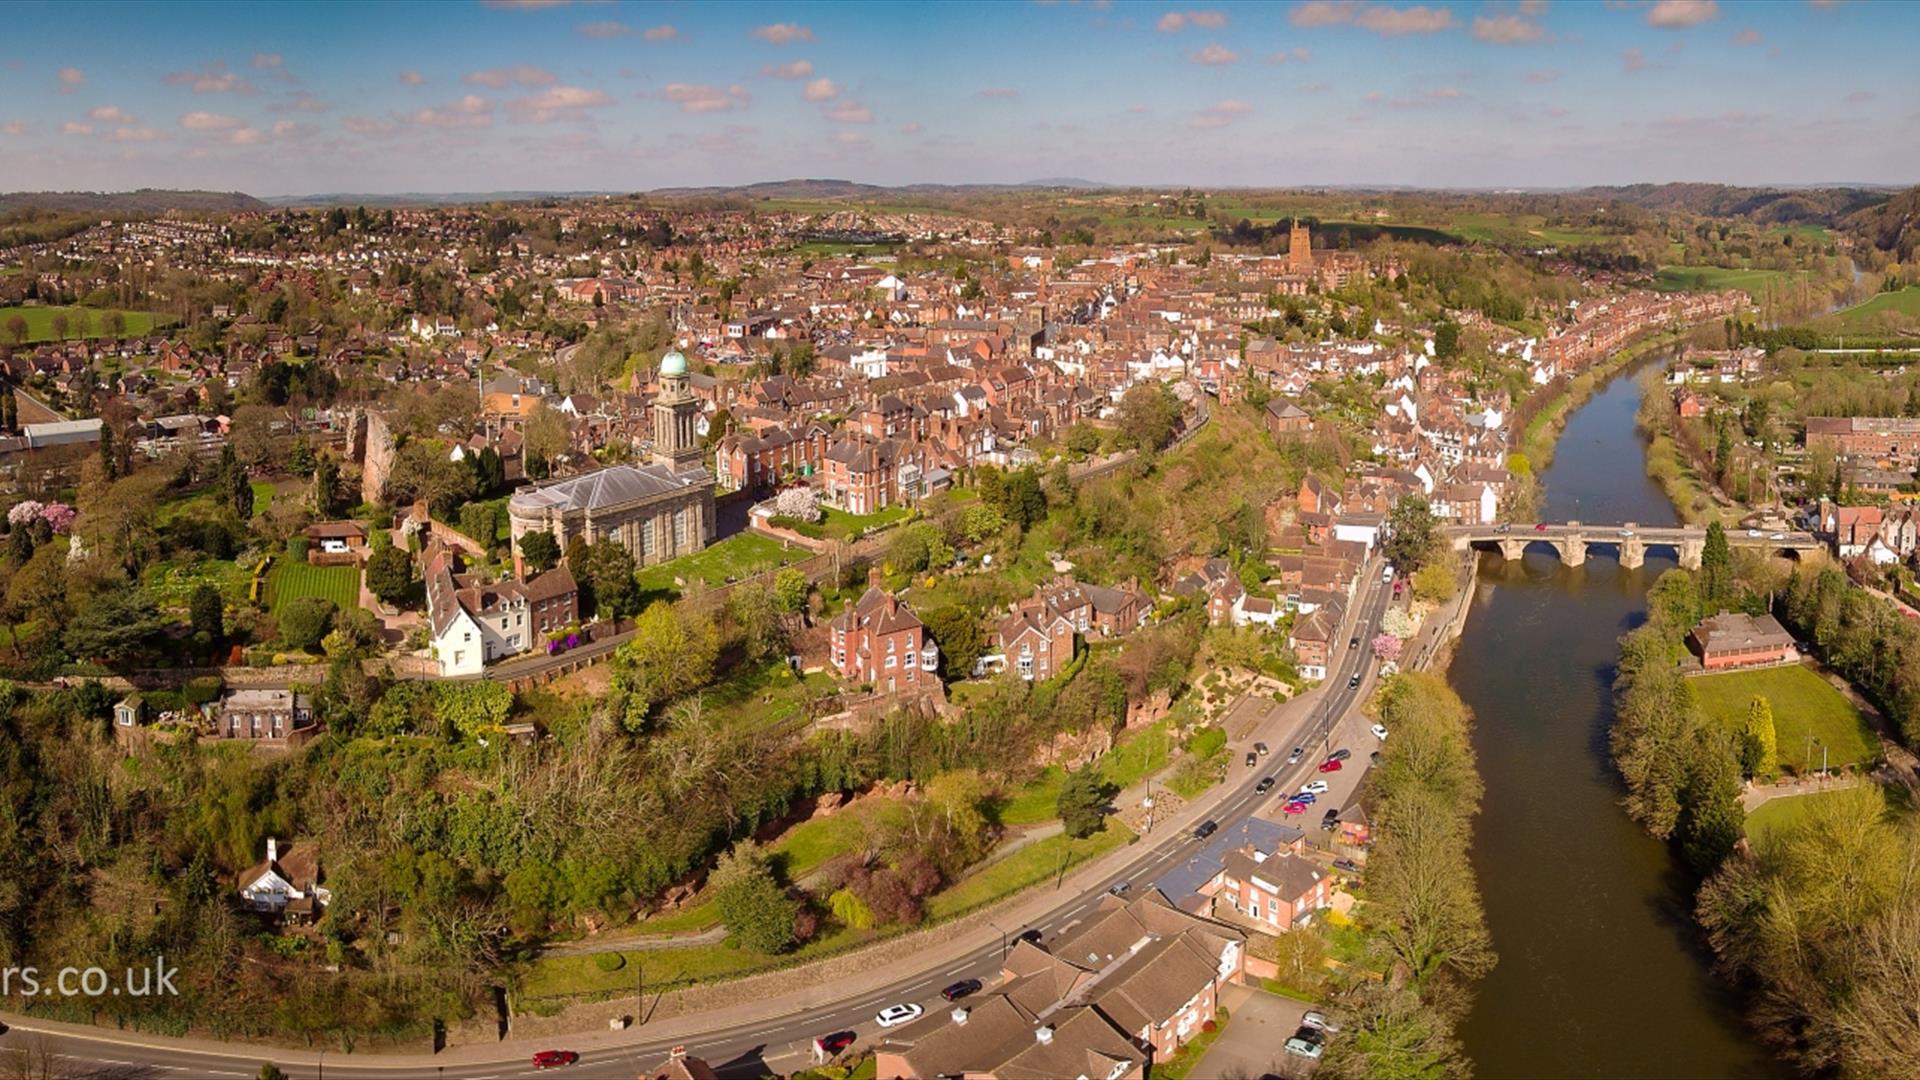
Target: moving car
[
  {"x": 1330, "y": 765},
  {"x": 972, "y": 986},
  {"x": 1205, "y": 829},
  {"x": 1353, "y": 682},
  {"x": 1379, "y": 731},
  {"x": 1353, "y": 643},
  {"x": 1314, "y": 787},
  {"x": 1298, "y": 753},
  {"x": 1387, "y": 574},
  {"x": 895, "y": 1015},
  {"x": 1503, "y": 527},
  {"x": 1032, "y": 935},
  {"x": 1341, "y": 754},
  {"x": 553, "y": 1059},
  {"x": 1305, "y": 1043},
  {"x": 1778, "y": 536},
  {"x": 1264, "y": 786},
  {"x": 1119, "y": 888},
  {"x": 1753, "y": 534},
  {"x": 1626, "y": 532},
  {"x": 1542, "y": 527},
  {"x": 829, "y": 1045}
]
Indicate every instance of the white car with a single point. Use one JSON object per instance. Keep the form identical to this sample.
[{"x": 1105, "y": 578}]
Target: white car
[
  {"x": 1379, "y": 731},
  {"x": 1387, "y": 574},
  {"x": 895, "y": 1015},
  {"x": 1314, "y": 787},
  {"x": 1315, "y": 1020},
  {"x": 1302, "y": 1046},
  {"x": 1753, "y": 534}
]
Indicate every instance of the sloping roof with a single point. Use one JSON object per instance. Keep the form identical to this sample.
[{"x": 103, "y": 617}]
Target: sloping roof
[{"x": 610, "y": 487}]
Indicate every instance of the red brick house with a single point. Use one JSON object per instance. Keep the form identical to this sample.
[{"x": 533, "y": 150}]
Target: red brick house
[
  {"x": 1279, "y": 890},
  {"x": 1284, "y": 418},
  {"x": 1732, "y": 639},
  {"x": 879, "y": 641}
]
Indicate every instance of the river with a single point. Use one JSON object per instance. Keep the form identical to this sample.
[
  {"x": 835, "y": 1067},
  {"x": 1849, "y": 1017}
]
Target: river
[{"x": 1602, "y": 972}]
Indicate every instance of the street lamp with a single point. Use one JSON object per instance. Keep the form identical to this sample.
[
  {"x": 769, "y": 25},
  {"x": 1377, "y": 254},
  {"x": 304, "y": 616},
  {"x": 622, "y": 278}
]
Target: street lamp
[{"x": 1003, "y": 938}]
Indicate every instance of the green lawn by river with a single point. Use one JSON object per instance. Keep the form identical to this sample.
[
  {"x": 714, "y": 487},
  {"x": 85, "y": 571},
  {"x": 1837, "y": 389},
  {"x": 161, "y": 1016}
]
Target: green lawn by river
[{"x": 1803, "y": 705}]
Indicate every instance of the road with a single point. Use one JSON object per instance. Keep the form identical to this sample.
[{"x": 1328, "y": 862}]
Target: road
[{"x": 782, "y": 1043}]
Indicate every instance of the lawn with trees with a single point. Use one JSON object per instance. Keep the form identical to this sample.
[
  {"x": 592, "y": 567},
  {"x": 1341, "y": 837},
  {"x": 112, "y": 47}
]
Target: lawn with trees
[
  {"x": 30, "y": 324},
  {"x": 291, "y": 580},
  {"x": 1803, "y": 705}
]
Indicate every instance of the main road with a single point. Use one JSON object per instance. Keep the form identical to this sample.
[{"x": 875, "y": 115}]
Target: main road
[{"x": 779, "y": 1037}]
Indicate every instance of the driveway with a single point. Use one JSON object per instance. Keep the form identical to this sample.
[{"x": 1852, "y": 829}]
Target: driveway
[{"x": 1259, "y": 1025}]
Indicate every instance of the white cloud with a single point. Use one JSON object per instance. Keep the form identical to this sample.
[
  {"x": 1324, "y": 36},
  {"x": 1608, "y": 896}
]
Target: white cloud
[
  {"x": 13, "y": 127},
  {"x": 267, "y": 60},
  {"x": 71, "y": 77},
  {"x": 822, "y": 90},
  {"x": 695, "y": 98},
  {"x": 784, "y": 33},
  {"x": 1322, "y": 13},
  {"x": 211, "y": 79},
  {"x": 910, "y": 128},
  {"x": 1220, "y": 114},
  {"x": 471, "y": 111},
  {"x": 1747, "y": 37},
  {"x": 797, "y": 69},
  {"x": 557, "y": 103},
  {"x": 135, "y": 134},
  {"x": 206, "y": 121},
  {"x": 303, "y": 101},
  {"x": 852, "y": 139},
  {"x": 850, "y": 112},
  {"x": 1290, "y": 56},
  {"x": 603, "y": 31},
  {"x": 412, "y": 78},
  {"x": 1174, "y": 21},
  {"x": 246, "y": 136},
  {"x": 1393, "y": 22},
  {"x": 1214, "y": 55},
  {"x": 75, "y": 127},
  {"x": 1680, "y": 14},
  {"x": 284, "y": 128},
  {"x": 367, "y": 125},
  {"x": 517, "y": 75},
  {"x": 110, "y": 114},
  {"x": 1533, "y": 9},
  {"x": 1506, "y": 29},
  {"x": 663, "y": 32},
  {"x": 1633, "y": 60}
]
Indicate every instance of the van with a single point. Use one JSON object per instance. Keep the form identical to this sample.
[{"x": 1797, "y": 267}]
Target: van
[{"x": 1387, "y": 574}]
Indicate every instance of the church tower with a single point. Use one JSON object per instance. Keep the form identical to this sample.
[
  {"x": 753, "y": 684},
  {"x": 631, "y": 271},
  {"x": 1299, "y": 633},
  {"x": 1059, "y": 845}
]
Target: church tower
[
  {"x": 676, "y": 440},
  {"x": 1300, "y": 249}
]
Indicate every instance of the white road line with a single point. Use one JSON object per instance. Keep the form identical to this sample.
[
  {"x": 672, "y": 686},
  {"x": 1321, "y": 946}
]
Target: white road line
[{"x": 961, "y": 968}]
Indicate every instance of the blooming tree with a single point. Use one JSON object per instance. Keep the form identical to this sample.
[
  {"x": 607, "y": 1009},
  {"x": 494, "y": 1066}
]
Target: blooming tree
[
  {"x": 799, "y": 502},
  {"x": 1398, "y": 622},
  {"x": 1387, "y": 647},
  {"x": 58, "y": 516},
  {"x": 24, "y": 512}
]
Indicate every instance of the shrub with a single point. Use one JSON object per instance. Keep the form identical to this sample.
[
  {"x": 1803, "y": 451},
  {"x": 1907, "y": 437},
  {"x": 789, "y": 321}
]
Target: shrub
[
  {"x": 609, "y": 961},
  {"x": 296, "y": 548}
]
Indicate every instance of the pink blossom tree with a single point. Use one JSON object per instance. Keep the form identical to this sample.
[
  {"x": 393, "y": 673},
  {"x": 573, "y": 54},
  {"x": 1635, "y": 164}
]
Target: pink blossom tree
[{"x": 1387, "y": 647}]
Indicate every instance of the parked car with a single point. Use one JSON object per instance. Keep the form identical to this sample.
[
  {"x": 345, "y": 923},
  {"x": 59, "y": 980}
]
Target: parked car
[
  {"x": 1379, "y": 731},
  {"x": 1294, "y": 806},
  {"x": 1314, "y": 787},
  {"x": 1341, "y": 754},
  {"x": 1265, "y": 785},
  {"x": 1346, "y": 866},
  {"x": 1387, "y": 574},
  {"x": 1503, "y": 527},
  {"x": 970, "y": 986},
  {"x": 895, "y": 1015},
  {"x": 1304, "y": 796},
  {"x": 1374, "y": 757},
  {"x": 1298, "y": 753},
  {"x": 554, "y": 1059},
  {"x": 1332, "y": 815},
  {"x": 1252, "y": 759},
  {"x": 1330, "y": 765},
  {"x": 1315, "y": 1020},
  {"x": 1260, "y": 748},
  {"x": 1626, "y": 532},
  {"x": 830, "y": 1045},
  {"x": 1205, "y": 829},
  {"x": 1305, "y": 1043}
]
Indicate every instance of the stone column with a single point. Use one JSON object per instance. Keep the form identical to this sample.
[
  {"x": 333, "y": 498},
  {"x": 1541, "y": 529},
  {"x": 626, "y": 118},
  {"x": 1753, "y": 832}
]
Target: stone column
[{"x": 1633, "y": 553}]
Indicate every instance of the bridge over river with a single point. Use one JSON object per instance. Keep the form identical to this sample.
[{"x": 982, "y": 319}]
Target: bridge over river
[{"x": 1571, "y": 540}]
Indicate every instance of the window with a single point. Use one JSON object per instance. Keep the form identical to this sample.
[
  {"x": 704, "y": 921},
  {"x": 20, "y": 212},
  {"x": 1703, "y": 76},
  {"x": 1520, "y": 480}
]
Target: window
[{"x": 680, "y": 531}]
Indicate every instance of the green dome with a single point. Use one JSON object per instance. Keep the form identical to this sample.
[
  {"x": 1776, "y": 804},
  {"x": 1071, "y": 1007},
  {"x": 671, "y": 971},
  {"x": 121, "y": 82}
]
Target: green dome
[{"x": 673, "y": 363}]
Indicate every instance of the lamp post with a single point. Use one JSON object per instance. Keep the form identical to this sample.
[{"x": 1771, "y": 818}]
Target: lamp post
[{"x": 1003, "y": 938}]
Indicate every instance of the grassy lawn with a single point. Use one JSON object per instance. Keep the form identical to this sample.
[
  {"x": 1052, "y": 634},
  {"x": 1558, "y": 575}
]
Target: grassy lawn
[
  {"x": 40, "y": 321},
  {"x": 172, "y": 582},
  {"x": 263, "y": 492},
  {"x": 554, "y": 976},
  {"x": 1803, "y": 705},
  {"x": 291, "y": 580},
  {"x": 208, "y": 499},
  {"x": 1901, "y": 307},
  {"x": 735, "y": 557},
  {"x": 1188, "y": 1057},
  {"x": 767, "y": 696},
  {"x": 1683, "y": 278},
  {"x": 1144, "y": 753},
  {"x": 810, "y": 844},
  {"x": 1779, "y": 813},
  {"x": 1029, "y": 866}
]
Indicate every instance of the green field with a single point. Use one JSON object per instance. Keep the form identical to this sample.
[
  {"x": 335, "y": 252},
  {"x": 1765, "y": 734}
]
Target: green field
[
  {"x": 1029, "y": 866},
  {"x": 737, "y": 556},
  {"x": 1898, "y": 308},
  {"x": 1779, "y": 813},
  {"x": 206, "y": 499},
  {"x": 1803, "y": 705},
  {"x": 1144, "y": 753},
  {"x": 840, "y": 525},
  {"x": 1683, "y": 278},
  {"x": 40, "y": 322},
  {"x": 765, "y": 697},
  {"x": 808, "y": 845},
  {"x": 289, "y": 580}
]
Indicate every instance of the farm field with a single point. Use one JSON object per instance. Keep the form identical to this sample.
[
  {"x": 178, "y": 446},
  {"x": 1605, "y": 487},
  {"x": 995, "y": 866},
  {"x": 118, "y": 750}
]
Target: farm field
[
  {"x": 288, "y": 581},
  {"x": 1803, "y": 705},
  {"x": 40, "y": 322},
  {"x": 1682, "y": 278},
  {"x": 1900, "y": 308}
]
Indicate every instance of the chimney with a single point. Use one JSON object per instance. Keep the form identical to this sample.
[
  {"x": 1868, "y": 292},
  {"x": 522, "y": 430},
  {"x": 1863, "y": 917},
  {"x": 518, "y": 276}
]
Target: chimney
[
  {"x": 273, "y": 851},
  {"x": 873, "y": 576},
  {"x": 677, "y": 1053},
  {"x": 960, "y": 1016},
  {"x": 1044, "y": 1034}
]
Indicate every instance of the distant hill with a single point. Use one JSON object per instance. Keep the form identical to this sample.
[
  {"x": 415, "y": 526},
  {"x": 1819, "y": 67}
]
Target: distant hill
[
  {"x": 1892, "y": 226},
  {"x": 428, "y": 198},
  {"x": 143, "y": 201},
  {"x": 1761, "y": 205},
  {"x": 851, "y": 190}
]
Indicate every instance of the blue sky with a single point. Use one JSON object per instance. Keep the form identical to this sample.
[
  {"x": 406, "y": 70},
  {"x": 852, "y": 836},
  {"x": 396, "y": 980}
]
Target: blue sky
[{"x": 303, "y": 98}]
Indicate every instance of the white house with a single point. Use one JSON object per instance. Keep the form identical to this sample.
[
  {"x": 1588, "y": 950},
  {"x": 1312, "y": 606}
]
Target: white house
[{"x": 288, "y": 886}]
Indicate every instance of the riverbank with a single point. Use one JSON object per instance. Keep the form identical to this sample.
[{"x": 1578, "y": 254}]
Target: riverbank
[{"x": 1542, "y": 434}]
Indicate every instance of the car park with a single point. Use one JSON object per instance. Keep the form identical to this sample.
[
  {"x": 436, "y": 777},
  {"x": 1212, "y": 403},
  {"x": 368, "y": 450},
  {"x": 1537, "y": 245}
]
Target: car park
[
  {"x": 554, "y": 1059},
  {"x": 1205, "y": 829},
  {"x": 1330, "y": 765},
  {"x": 895, "y": 1015},
  {"x": 1304, "y": 1043},
  {"x": 1265, "y": 785},
  {"x": 956, "y": 991},
  {"x": 1314, "y": 787}
]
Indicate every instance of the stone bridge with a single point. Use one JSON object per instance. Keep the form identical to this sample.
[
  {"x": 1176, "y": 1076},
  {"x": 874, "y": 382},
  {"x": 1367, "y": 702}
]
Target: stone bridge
[{"x": 1572, "y": 539}]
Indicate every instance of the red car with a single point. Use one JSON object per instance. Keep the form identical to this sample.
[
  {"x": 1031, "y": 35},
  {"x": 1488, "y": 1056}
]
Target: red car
[
  {"x": 1330, "y": 765},
  {"x": 830, "y": 1045},
  {"x": 1542, "y": 527},
  {"x": 1295, "y": 808},
  {"x": 553, "y": 1059}
]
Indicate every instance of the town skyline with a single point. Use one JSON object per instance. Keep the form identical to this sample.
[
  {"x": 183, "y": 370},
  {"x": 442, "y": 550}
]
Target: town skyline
[{"x": 621, "y": 97}]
